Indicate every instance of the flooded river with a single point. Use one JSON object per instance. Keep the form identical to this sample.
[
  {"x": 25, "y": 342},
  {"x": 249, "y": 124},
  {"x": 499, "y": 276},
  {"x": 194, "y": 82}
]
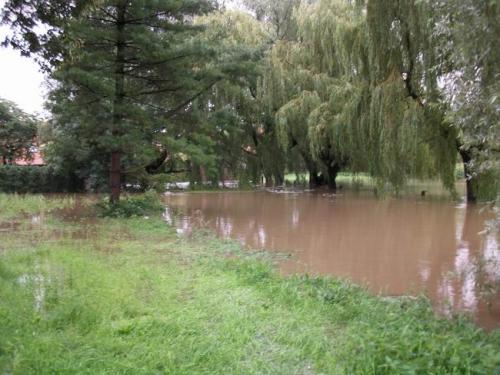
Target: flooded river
[{"x": 394, "y": 246}]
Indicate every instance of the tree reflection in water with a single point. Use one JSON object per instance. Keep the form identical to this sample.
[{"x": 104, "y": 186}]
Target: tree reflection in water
[{"x": 394, "y": 246}]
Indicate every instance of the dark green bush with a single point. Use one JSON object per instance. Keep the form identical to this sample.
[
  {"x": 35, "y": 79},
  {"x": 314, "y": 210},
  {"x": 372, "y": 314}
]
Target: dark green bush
[
  {"x": 37, "y": 179},
  {"x": 133, "y": 205}
]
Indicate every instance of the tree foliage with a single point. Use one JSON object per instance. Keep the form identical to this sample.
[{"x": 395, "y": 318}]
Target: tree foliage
[
  {"x": 447, "y": 51},
  {"x": 467, "y": 42},
  {"x": 371, "y": 71},
  {"x": 397, "y": 89},
  {"x": 276, "y": 15},
  {"x": 37, "y": 179},
  {"x": 129, "y": 70},
  {"x": 244, "y": 134},
  {"x": 18, "y": 132},
  {"x": 38, "y": 27},
  {"x": 403, "y": 58}
]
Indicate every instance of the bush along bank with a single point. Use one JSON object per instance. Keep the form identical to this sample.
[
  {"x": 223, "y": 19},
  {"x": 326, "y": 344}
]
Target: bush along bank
[
  {"x": 37, "y": 179},
  {"x": 145, "y": 204},
  {"x": 134, "y": 297}
]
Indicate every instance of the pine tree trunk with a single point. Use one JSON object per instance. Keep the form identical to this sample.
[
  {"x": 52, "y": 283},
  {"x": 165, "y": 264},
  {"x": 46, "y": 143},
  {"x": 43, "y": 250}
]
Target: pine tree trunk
[
  {"x": 115, "y": 177},
  {"x": 115, "y": 167},
  {"x": 203, "y": 175}
]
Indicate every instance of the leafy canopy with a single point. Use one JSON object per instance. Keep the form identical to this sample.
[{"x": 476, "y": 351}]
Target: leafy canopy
[{"x": 18, "y": 132}]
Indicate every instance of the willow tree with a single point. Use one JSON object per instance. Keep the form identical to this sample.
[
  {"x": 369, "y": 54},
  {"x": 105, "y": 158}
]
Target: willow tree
[
  {"x": 246, "y": 141},
  {"x": 402, "y": 59},
  {"x": 302, "y": 78},
  {"x": 291, "y": 91},
  {"x": 277, "y": 16},
  {"x": 466, "y": 37},
  {"x": 370, "y": 116},
  {"x": 447, "y": 54}
]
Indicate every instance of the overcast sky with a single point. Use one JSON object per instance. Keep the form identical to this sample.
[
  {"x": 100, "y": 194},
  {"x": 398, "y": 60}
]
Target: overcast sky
[{"x": 20, "y": 78}]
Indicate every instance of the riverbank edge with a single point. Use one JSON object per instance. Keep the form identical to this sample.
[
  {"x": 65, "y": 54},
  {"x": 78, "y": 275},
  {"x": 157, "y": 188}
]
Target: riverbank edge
[{"x": 328, "y": 325}]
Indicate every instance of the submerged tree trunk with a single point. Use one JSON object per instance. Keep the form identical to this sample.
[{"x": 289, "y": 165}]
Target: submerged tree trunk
[
  {"x": 470, "y": 179},
  {"x": 269, "y": 180},
  {"x": 315, "y": 179},
  {"x": 333, "y": 170},
  {"x": 118, "y": 102},
  {"x": 279, "y": 179}
]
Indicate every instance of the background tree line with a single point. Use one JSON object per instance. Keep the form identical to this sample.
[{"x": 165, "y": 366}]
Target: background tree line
[{"x": 143, "y": 90}]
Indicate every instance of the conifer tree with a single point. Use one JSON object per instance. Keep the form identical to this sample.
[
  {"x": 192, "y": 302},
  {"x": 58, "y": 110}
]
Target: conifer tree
[{"x": 125, "y": 67}]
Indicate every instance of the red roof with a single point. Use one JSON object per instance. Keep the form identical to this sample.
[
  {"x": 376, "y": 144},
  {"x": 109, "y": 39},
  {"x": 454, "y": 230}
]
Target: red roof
[{"x": 36, "y": 159}]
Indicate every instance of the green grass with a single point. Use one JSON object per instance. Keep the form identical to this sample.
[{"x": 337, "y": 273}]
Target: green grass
[
  {"x": 129, "y": 296},
  {"x": 12, "y": 205}
]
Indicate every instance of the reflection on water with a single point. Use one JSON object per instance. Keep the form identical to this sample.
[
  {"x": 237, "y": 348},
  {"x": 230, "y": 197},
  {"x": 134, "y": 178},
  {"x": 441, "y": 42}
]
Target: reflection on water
[{"x": 393, "y": 246}]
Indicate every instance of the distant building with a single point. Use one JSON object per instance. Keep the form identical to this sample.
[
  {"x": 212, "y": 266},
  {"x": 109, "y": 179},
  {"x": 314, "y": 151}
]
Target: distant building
[{"x": 36, "y": 158}]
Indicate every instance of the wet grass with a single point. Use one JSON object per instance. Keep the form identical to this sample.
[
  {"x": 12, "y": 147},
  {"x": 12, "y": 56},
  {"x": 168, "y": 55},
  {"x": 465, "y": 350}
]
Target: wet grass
[
  {"x": 12, "y": 205},
  {"x": 133, "y": 297}
]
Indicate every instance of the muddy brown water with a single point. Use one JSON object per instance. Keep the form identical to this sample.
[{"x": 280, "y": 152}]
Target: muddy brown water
[{"x": 393, "y": 246}]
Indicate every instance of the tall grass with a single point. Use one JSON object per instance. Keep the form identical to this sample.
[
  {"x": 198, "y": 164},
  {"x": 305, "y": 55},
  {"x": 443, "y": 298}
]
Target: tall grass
[{"x": 12, "y": 205}]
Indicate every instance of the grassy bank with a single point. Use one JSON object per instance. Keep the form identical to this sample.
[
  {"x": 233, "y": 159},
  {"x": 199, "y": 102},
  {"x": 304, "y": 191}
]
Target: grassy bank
[
  {"x": 12, "y": 205},
  {"x": 131, "y": 296}
]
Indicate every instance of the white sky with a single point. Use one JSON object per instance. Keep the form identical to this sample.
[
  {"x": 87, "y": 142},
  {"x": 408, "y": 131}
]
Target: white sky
[{"x": 20, "y": 78}]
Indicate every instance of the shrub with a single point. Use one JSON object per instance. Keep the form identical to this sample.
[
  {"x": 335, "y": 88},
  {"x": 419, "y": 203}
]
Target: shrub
[
  {"x": 37, "y": 179},
  {"x": 132, "y": 205}
]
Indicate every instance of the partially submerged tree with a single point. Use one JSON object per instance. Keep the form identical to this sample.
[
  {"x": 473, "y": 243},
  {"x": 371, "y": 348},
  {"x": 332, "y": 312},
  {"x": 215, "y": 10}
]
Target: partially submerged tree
[
  {"x": 245, "y": 138},
  {"x": 466, "y": 36},
  {"x": 18, "y": 132},
  {"x": 375, "y": 106},
  {"x": 402, "y": 70},
  {"x": 447, "y": 54}
]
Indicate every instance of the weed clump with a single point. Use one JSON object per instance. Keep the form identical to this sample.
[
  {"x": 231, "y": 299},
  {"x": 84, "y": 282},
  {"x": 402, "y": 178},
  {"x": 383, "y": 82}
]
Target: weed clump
[{"x": 145, "y": 204}]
